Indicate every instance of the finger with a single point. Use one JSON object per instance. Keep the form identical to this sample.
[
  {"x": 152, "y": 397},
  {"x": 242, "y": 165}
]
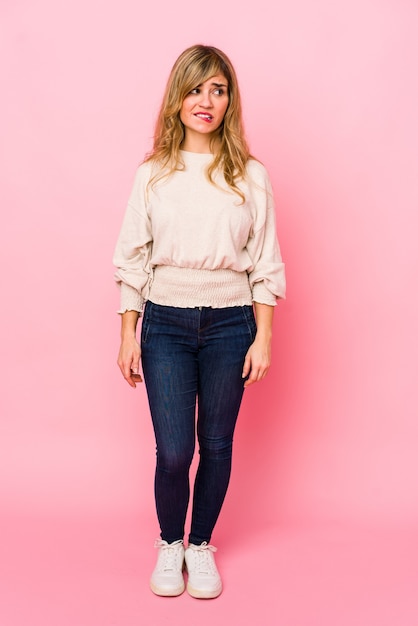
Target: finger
[
  {"x": 128, "y": 376},
  {"x": 247, "y": 366},
  {"x": 134, "y": 373},
  {"x": 253, "y": 377},
  {"x": 130, "y": 380},
  {"x": 257, "y": 374},
  {"x": 125, "y": 368}
]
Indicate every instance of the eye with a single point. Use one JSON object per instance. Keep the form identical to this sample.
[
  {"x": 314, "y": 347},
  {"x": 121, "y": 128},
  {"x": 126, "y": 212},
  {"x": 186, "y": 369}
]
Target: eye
[
  {"x": 219, "y": 92},
  {"x": 196, "y": 90}
]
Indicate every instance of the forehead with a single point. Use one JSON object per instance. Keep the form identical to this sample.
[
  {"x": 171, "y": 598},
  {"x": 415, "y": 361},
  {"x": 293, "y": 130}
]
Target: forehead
[{"x": 217, "y": 79}]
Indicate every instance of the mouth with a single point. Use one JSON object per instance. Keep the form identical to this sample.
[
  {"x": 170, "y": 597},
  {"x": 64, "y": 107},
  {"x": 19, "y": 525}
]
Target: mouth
[{"x": 206, "y": 117}]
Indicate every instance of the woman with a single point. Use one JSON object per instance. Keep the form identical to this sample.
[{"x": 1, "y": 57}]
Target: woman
[{"x": 198, "y": 255}]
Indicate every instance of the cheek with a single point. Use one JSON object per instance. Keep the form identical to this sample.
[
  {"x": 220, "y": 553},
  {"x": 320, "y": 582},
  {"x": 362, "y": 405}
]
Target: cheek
[
  {"x": 182, "y": 114},
  {"x": 185, "y": 108},
  {"x": 223, "y": 110}
]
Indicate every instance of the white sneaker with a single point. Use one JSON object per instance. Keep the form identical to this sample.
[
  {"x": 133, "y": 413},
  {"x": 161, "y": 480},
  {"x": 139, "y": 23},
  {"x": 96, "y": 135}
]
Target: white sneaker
[
  {"x": 204, "y": 580},
  {"x": 167, "y": 577}
]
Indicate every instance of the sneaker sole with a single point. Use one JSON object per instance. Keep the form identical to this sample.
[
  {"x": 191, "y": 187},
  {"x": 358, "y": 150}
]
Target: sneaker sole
[
  {"x": 167, "y": 592},
  {"x": 203, "y": 594}
]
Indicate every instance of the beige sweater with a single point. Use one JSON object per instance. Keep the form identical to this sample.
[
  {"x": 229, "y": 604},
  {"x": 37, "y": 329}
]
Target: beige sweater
[{"x": 186, "y": 242}]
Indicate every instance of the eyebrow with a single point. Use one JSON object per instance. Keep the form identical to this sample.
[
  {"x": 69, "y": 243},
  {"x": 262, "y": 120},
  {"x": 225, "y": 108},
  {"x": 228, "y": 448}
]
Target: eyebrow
[{"x": 215, "y": 85}]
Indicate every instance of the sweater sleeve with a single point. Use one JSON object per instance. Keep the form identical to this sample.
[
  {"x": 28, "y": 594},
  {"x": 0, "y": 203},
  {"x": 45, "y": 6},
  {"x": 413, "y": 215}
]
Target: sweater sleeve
[
  {"x": 267, "y": 274},
  {"x": 133, "y": 248}
]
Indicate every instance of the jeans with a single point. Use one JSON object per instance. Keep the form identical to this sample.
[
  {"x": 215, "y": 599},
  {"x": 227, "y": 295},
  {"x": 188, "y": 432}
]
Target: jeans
[{"x": 193, "y": 357}]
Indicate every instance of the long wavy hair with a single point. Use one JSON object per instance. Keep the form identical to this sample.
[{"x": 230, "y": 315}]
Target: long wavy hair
[{"x": 192, "y": 68}]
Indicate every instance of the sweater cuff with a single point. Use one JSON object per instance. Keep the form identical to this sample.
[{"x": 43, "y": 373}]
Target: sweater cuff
[
  {"x": 130, "y": 299},
  {"x": 262, "y": 295}
]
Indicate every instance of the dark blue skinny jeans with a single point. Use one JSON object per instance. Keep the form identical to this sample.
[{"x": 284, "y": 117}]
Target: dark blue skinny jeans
[{"x": 189, "y": 357}]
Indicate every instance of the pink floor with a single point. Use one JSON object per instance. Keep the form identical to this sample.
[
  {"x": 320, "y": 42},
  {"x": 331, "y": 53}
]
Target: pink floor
[{"x": 94, "y": 572}]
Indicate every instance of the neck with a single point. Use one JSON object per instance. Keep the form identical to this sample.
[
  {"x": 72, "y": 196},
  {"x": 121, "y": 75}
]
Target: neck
[{"x": 197, "y": 142}]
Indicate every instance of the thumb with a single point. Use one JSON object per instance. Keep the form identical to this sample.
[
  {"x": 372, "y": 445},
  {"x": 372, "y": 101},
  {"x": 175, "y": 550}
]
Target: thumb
[{"x": 135, "y": 365}]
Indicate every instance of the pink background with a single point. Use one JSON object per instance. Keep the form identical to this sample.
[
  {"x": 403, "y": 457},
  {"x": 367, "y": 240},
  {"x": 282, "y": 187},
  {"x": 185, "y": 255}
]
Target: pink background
[{"x": 320, "y": 524}]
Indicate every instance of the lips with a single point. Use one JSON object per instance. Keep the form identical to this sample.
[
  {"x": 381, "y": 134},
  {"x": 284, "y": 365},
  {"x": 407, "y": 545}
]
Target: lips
[{"x": 206, "y": 117}]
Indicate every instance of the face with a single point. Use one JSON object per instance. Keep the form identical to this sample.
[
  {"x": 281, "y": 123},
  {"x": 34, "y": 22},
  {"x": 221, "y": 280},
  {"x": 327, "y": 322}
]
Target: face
[{"x": 203, "y": 109}]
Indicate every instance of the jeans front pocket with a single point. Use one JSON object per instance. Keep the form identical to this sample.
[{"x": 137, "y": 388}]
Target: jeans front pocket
[
  {"x": 146, "y": 322},
  {"x": 248, "y": 313}
]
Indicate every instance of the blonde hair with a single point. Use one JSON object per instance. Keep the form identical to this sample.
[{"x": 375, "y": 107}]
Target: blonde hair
[{"x": 192, "y": 68}]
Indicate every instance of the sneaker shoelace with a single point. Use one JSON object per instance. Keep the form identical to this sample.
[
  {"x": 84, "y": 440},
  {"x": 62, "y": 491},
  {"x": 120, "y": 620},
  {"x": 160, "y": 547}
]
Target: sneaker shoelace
[
  {"x": 203, "y": 558},
  {"x": 169, "y": 553}
]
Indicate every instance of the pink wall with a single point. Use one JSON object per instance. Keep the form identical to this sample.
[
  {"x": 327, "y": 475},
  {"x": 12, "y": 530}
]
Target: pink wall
[{"x": 330, "y": 97}]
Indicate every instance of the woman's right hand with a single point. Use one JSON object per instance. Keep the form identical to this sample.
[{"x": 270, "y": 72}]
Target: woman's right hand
[
  {"x": 130, "y": 351},
  {"x": 128, "y": 359}
]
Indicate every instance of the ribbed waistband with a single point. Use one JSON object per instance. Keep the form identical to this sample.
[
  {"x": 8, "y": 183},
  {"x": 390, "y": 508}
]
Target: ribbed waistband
[{"x": 188, "y": 288}]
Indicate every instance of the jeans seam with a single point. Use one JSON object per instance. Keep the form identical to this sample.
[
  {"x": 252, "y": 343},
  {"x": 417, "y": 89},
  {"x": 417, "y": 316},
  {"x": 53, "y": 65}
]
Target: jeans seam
[{"x": 249, "y": 322}]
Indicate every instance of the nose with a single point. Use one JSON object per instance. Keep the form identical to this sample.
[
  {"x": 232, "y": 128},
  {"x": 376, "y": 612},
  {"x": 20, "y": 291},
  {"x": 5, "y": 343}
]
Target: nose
[{"x": 205, "y": 100}]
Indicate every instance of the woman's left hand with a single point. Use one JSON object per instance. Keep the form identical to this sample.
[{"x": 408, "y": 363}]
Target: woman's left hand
[{"x": 257, "y": 361}]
